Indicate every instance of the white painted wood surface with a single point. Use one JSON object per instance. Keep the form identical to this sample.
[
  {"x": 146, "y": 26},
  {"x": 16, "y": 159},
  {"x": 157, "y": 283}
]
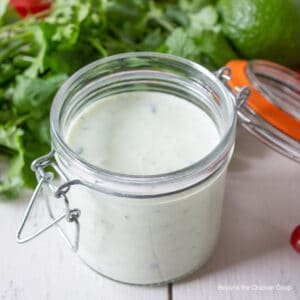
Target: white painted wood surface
[{"x": 261, "y": 208}]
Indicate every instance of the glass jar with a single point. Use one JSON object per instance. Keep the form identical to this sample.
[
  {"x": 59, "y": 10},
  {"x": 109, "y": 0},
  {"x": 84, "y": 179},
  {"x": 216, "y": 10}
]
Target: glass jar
[{"x": 139, "y": 229}]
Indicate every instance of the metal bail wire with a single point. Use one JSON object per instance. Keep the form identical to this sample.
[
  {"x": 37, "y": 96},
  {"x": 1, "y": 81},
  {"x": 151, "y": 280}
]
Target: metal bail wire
[
  {"x": 70, "y": 215},
  {"x": 240, "y": 94}
]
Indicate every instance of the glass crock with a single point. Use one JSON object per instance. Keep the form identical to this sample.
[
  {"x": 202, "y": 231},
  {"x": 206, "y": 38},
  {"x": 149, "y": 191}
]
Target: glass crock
[{"x": 138, "y": 229}]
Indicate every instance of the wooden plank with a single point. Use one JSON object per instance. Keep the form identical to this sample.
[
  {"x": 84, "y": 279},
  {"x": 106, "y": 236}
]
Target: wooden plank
[
  {"x": 46, "y": 269},
  {"x": 262, "y": 206}
]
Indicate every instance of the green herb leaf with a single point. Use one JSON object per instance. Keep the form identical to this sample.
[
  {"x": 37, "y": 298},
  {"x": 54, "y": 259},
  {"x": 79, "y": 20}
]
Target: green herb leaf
[
  {"x": 179, "y": 43},
  {"x": 3, "y": 7},
  {"x": 34, "y": 95},
  {"x": 11, "y": 144}
]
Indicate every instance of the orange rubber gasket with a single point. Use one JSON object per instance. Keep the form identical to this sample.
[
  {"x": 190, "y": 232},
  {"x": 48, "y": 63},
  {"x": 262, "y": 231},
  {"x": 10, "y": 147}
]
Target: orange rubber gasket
[{"x": 257, "y": 102}]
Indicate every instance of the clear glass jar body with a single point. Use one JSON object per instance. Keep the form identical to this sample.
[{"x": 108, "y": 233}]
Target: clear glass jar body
[
  {"x": 150, "y": 240},
  {"x": 146, "y": 229}
]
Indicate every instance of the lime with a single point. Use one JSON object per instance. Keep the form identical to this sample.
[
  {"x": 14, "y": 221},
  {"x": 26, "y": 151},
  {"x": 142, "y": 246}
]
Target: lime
[{"x": 263, "y": 29}]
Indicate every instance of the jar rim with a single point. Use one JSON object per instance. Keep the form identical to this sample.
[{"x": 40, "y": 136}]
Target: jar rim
[{"x": 144, "y": 185}]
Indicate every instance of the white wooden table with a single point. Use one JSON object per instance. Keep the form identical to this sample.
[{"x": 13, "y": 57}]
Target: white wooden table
[{"x": 253, "y": 259}]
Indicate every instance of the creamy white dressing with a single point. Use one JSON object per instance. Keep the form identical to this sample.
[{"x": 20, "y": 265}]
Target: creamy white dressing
[
  {"x": 155, "y": 240},
  {"x": 143, "y": 133}
]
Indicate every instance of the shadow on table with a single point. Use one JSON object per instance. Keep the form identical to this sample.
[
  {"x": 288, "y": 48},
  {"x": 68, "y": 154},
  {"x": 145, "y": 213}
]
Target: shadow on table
[{"x": 247, "y": 148}]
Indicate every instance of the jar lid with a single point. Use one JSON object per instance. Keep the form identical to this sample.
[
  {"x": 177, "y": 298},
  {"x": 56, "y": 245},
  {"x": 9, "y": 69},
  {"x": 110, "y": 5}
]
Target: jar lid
[{"x": 272, "y": 111}]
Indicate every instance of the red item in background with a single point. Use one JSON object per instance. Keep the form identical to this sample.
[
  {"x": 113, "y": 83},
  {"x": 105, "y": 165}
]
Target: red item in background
[
  {"x": 295, "y": 239},
  {"x": 27, "y": 7}
]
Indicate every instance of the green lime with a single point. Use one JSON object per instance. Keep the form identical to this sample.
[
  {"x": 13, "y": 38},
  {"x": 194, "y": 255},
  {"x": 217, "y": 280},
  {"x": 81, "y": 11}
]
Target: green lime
[{"x": 263, "y": 29}]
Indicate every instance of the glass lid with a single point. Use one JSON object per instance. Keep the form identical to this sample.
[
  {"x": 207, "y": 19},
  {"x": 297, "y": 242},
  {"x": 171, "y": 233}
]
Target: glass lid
[{"x": 272, "y": 112}]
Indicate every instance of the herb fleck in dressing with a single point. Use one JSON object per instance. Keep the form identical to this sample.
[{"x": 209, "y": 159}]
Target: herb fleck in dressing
[{"x": 149, "y": 240}]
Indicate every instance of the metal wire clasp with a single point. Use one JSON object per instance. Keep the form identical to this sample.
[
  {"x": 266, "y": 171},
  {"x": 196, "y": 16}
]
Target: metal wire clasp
[
  {"x": 45, "y": 179},
  {"x": 240, "y": 94}
]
